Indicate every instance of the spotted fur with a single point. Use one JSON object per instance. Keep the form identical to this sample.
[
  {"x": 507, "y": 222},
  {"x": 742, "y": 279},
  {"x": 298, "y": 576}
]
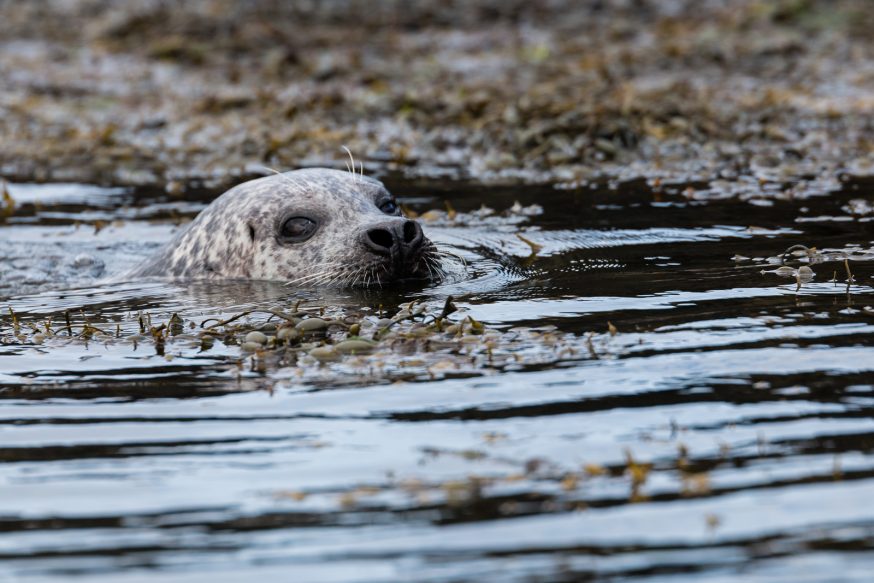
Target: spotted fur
[{"x": 237, "y": 236}]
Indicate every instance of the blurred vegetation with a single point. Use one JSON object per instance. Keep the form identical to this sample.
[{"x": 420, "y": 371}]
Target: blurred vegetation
[{"x": 549, "y": 91}]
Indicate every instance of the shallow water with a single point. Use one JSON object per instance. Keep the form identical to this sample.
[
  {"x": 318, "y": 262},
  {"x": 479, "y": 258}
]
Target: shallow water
[{"x": 724, "y": 428}]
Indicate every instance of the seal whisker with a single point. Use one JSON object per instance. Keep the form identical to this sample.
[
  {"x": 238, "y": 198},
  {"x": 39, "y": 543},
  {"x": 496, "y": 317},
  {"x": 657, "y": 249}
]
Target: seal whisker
[
  {"x": 303, "y": 280},
  {"x": 436, "y": 254},
  {"x": 323, "y": 268},
  {"x": 352, "y": 160},
  {"x": 358, "y": 275},
  {"x": 332, "y": 278},
  {"x": 432, "y": 259},
  {"x": 313, "y": 276},
  {"x": 348, "y": 281},
  {"x": 316, "y": 276},
  {"x": 426, "y": 259},
  {"x": 438, "y": 270},
  {"x": 349, "y": 278},
  {"x": 280, "y": 174},
  {"x": 451, "y": 255},
  {"x": 342, "y": 276}
]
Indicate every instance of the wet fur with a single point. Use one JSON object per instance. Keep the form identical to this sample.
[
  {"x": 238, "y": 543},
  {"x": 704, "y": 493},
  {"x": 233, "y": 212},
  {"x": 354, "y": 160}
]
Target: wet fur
[{"x": 235, "y": 237}]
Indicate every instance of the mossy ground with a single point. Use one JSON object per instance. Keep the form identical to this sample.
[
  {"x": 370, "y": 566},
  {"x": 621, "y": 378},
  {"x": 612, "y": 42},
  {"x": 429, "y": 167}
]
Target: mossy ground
[{"x": 174, "y": 95}]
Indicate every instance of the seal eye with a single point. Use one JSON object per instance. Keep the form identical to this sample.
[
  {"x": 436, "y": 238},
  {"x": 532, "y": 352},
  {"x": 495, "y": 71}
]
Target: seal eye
[
  {"x": 297, "y": 229},
  {"x": 390, "y": 207}
]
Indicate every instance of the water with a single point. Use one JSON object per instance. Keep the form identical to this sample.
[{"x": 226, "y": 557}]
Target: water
[{"x": 722, "y": 430}]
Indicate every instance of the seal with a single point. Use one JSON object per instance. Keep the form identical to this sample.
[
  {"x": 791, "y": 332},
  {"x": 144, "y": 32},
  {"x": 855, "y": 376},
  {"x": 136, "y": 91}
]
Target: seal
[{"x": 315, "y": 226}]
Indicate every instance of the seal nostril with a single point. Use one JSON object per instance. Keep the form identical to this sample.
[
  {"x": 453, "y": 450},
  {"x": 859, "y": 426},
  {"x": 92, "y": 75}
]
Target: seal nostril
[
  {"x": 411, "y": 231},
  {"x": 381, "y": 238}
]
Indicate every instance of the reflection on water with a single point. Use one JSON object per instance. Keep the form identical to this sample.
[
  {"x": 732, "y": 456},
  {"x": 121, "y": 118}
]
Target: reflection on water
[{"x": 719, "y": 425}]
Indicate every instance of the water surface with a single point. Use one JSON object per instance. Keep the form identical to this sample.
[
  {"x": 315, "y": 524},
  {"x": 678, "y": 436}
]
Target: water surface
[{"x": 676, "y": 410}]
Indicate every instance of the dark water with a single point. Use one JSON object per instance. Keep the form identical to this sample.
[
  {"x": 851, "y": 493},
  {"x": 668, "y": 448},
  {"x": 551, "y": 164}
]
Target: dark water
[{"x": 723, "y": 432}]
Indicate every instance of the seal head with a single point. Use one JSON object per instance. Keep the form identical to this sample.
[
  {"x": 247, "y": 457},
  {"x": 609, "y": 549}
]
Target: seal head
[{"x": 309, "y": 227}]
